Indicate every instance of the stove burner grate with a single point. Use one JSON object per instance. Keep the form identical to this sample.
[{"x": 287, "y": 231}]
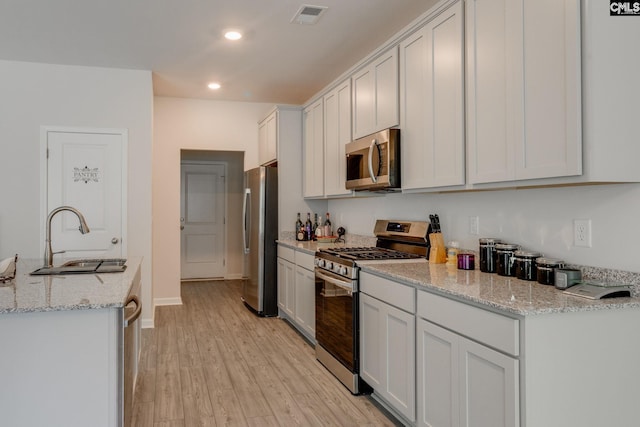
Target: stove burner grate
[{"x": 369, "y": 253}]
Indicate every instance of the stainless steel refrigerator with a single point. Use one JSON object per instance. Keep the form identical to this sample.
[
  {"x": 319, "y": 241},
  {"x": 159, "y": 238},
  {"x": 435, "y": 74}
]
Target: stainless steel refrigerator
[{"x": 260, "y": 231}]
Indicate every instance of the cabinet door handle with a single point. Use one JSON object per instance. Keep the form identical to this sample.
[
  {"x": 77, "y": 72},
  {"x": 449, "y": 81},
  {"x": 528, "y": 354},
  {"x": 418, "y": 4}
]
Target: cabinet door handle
[{"x": 134, "y": 316}]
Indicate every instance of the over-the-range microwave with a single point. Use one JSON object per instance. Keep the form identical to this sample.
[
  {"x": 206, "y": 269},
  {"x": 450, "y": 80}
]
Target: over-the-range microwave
[{"x": 373, "y": 162}]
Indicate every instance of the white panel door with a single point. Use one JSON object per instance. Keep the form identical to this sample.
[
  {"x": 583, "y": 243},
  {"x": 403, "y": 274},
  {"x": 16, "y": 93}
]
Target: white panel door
[
  {"x": 86, "y": 170},
  {"x": 489, "y": 387},
  {"x": 437, "y": 376},
  {"x": 202, "y": 220},
  {"x": 371, "y": 336}
]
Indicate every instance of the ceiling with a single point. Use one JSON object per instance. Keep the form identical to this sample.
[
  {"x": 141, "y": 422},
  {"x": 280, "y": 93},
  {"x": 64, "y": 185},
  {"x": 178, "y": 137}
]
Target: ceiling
[{"x": 182, "y": 41}]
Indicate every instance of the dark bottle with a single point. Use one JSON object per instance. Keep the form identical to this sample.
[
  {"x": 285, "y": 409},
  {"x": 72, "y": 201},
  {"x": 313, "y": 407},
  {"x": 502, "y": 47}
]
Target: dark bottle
[
  {"x": 308, "y": 228},
  {"x": 299, "y": 229},
  {"x": 316, "y": 219},
  {"x": 327, "y": 226}
]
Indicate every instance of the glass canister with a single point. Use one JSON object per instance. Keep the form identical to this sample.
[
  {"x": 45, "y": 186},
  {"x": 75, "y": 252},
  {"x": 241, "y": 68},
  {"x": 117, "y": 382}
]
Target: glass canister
[
  {"x": 546, "y": 268},
  {"x": 488, "y": 254},
  {"x": 505, "y": 259},
  {"x": 466, "y": 261},
  {"x": 526, "y": 264}
]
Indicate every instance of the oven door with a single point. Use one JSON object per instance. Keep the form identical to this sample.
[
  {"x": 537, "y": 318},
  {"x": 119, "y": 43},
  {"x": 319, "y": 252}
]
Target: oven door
[{"x": 336, "y": 317}]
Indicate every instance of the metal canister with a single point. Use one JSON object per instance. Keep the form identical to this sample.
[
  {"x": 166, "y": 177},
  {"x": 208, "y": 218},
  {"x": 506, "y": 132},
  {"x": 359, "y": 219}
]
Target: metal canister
[
  {"x": 526, "y": 264},
  {"x": 488, "y": 254},
  {"x": 546, "y": 268},
  {"x": 505, "y": 259}
]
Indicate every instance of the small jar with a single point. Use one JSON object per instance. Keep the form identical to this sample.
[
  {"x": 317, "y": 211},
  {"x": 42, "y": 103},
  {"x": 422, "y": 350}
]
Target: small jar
[
  {"x": 488, "y": 254},
  {"x": 505, "y": 259},
  {"x": 526, "y": 264},
  {"x": 466, "y": 262},
  {"x": 546, "y": 268},
  {"x": 452, "y": 253}
]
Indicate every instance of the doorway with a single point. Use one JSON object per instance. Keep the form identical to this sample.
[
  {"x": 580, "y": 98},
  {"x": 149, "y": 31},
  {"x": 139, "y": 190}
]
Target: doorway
[{"x": 210, "y": 207}]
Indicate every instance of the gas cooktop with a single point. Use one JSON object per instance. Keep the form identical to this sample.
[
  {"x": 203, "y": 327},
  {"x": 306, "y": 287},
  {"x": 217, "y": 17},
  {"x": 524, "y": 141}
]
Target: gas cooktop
[{"x": 369, "y": 253}]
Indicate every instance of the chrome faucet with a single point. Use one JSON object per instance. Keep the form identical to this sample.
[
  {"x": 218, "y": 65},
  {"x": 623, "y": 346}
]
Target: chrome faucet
[{"x": 84, "y": 229}]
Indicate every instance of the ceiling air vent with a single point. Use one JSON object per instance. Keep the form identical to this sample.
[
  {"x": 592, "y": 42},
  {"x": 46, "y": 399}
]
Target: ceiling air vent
[{"x": 308, "y": 14}]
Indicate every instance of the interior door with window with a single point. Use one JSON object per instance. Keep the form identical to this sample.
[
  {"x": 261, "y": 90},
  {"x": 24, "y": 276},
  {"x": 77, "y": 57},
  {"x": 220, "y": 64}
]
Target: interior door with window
[
  {"x": 202, "y": 220},
  {"x": 86, "y": 169}
]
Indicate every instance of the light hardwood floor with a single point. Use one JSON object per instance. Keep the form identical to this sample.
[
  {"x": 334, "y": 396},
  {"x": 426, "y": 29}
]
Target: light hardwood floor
[{"x": 211, "y": 362}]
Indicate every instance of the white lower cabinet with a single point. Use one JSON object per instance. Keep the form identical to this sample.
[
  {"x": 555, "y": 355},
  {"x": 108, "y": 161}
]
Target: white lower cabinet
[
  {"x": 387, "y": 342},
  {"x": 461, "y": 382},
  {"x": 286, "y": 286},
  {"x": 296, "y": 290},
  {"x": 305, "y": 297}
]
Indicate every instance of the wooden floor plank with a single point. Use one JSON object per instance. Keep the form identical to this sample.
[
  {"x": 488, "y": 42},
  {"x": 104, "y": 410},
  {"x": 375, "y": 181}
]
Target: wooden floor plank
[
  {"x": 212, "y": 362},
  {"x": 168, "y": 397}
]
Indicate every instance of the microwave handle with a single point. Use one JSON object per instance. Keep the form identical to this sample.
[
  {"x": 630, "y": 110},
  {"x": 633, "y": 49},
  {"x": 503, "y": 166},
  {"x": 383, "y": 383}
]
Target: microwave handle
[{"x": 374, "y": 176}]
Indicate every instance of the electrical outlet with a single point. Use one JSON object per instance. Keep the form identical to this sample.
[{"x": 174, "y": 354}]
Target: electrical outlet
[
  {"x": 582, "y": 233},
  {"x": 474, "y": 225}
]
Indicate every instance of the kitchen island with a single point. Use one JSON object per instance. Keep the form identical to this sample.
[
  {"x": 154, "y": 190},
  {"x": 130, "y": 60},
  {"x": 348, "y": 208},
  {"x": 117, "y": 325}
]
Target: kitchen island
[{"x": 63, "y": 347}]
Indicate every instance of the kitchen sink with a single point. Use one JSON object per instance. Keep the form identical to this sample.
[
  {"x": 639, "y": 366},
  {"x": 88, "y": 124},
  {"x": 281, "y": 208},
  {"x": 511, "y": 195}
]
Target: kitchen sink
[{"x": 85, "y": 266}]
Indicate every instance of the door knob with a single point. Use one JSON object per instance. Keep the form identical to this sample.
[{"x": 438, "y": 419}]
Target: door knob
[{"x": 114, "y": 240}]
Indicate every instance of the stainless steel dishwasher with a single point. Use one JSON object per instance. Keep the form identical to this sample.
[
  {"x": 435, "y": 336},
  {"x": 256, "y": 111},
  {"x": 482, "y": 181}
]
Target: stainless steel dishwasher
[{"x": 130, "y": 352}]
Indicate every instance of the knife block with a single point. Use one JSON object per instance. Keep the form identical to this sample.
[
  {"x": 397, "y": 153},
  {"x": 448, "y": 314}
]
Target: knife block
[{"x": 438, "y": 252}]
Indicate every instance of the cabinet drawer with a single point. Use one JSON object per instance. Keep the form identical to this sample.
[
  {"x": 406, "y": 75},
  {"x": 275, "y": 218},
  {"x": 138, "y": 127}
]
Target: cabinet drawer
[
  {"x": 394, "y": 293},
  {"x": 492, "y": 329},
  {"x": 304, "y": 260},
  {"x": 286, "y": 253}
]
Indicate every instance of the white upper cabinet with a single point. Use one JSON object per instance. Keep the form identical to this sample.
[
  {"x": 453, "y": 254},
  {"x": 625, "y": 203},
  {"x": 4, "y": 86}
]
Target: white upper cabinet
[
  {"x": 523, "y": 89},
  {"x": 432, "y": 103},
  {"x": 337, "y": 133},
  {"x": 313, "y": 168},
  {"x": 267, "y": 139},
  {"x": 375, "y": 95}
]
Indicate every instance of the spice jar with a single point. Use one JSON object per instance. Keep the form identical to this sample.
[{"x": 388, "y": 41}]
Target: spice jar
[
  {"x": 466, "y": 262},
  {"x": 546, "y": 270},
  {"x": 488, "y": 254},
  {"x": 505, "y": 259},
  {"x": 526, "y": 264}
]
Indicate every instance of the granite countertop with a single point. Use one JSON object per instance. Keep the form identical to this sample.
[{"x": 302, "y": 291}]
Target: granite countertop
[
  {"x": 65, "y": 292},
  {"x": 506, "y": 294}
]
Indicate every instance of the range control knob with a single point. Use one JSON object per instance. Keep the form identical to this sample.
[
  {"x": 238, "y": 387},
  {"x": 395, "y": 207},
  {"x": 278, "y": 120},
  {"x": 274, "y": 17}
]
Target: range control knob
[
  {"x": 343, "y": 271},
  {"x": 319, "y": 262},
  {"x": 329, "y": 265}
]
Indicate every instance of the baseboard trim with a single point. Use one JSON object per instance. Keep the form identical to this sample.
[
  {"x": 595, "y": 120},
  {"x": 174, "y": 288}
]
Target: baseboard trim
[
  {"x": 234, "y": 277},
  {"x": 147, "y": 324},
  {"x": 167, "y": 301}
]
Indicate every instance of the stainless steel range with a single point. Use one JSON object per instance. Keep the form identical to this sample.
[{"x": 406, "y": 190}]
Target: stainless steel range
[{"x": 336, "y": 276}]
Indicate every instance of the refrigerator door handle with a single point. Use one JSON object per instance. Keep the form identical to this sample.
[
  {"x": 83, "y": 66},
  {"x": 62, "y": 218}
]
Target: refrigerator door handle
[{"x": 246, "y": 214}]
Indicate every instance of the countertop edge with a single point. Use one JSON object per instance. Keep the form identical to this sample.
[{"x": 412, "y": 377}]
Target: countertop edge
[{"x": 587, "y": 305}]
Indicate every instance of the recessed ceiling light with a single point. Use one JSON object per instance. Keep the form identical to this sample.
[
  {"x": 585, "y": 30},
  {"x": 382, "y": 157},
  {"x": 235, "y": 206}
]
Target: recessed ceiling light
[
  {"x": 214, "y": 86},
  {"x": 233, "y": 35}
]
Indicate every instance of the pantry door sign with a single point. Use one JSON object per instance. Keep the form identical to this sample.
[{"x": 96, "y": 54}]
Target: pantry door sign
[{"x": 85, "y": 169}]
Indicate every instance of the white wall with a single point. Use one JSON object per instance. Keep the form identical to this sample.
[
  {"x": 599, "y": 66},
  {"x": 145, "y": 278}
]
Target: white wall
[
  {"x": 190, "y": 124},
  {"x": 34, "y": 95},
  {"x": 538, "y": 219}
]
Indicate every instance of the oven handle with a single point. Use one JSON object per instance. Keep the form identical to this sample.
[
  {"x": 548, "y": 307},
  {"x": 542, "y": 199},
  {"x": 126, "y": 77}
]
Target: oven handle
[
  {"x": 339, "y": 283},
  {"x": 374, "y": 176}
]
